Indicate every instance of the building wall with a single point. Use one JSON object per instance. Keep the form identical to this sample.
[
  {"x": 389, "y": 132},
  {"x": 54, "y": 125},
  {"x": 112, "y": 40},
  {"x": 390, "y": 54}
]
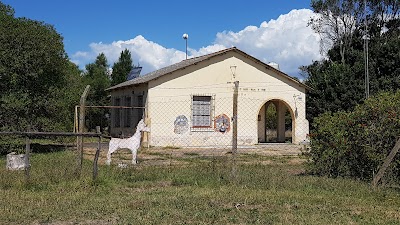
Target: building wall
[
  {"x": 134, "y": 97},
  {"x": 169, "y": 98}
]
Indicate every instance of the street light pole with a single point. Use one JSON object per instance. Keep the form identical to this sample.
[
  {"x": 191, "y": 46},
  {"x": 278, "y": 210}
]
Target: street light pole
[{"x": 186, "y": 36}]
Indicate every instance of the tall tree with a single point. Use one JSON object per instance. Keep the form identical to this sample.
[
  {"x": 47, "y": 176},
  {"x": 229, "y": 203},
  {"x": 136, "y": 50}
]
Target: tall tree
[
  {"x": 70, "y": 94},
  {"x": 336, "y": 22},
  {"x": 122, "y": 68},
  {"x": 338, "y": 81},
  {"x": 97, "y": 76},
  {"x": 6, "y": 10},
  {"x": 33, "y": 71},
  {"x": 382, "y": 11}
]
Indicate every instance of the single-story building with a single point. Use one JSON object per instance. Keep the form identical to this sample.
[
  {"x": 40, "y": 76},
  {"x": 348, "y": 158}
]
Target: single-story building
[{"x": 191, "y": 103}]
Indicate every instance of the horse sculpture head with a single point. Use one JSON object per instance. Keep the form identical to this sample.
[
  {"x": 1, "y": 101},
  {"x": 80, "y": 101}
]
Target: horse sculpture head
[{"x": 142, "y": 127}]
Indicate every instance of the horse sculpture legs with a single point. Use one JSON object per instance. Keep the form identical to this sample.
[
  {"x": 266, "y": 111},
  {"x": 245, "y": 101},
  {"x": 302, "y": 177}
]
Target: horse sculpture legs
[
  {"x": 132, "y": 143},
  {"x": 134, "y": 156}
]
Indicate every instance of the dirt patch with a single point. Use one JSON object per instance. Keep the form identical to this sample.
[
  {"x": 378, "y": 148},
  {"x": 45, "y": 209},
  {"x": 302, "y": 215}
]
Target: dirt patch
[{"x": 265, "y": 155}]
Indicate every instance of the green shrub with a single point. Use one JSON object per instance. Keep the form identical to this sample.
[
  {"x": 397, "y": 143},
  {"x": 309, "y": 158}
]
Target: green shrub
[
  {"x": 354, "y": 144},
  {"x": 10, "y": 144},
  {"x": 15, "y": 143}
]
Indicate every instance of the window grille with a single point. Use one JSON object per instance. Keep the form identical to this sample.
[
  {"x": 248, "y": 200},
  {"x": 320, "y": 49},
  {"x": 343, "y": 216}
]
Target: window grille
[
  {"x": 201, "y": 112},
  {"x": 117, "y": 121},
  {"x": 140, "y": 104},
  {"x": 127, "y": 120}
]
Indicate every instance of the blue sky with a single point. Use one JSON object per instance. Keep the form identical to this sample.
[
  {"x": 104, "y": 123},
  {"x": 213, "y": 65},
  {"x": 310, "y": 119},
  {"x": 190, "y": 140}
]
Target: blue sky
[{"x": 153, "y": 30}]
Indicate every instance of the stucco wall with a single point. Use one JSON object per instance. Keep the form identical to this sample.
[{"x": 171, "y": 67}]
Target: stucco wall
[
  {"x": 170, "y": 96},
  {"x": 134, "y": 93}
]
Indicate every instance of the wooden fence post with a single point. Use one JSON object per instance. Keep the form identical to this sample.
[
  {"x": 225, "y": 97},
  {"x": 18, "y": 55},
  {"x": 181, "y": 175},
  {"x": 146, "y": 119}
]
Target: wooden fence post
[
  {"x": 27, "y": 161},
  {"x": 96, "y": 156},
  {"x": 386, "y": 164},
  {"x": 234, "y": 118},
  {"x": 81, "y": 126},
  {"x": 234, "y": 129}
]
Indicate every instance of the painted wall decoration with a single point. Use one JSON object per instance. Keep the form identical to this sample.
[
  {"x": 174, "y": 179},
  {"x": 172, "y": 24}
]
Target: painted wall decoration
[
  {"x": 181, "y": 124},
  {"x": 222, "y": 123}
]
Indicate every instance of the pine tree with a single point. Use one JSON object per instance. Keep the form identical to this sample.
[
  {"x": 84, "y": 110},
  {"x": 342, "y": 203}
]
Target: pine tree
[{"x": 122, "y": 68}]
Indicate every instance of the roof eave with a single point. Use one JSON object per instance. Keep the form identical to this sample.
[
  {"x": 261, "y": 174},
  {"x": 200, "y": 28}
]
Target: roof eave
[
  {"x": 132, "y": 82},
  {"x": 308, "y": 88}
]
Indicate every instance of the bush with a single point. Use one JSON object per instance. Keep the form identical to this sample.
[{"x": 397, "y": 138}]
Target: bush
[
  {"x": 10, "y": 144},
  {"x": 354, "y": 144}
]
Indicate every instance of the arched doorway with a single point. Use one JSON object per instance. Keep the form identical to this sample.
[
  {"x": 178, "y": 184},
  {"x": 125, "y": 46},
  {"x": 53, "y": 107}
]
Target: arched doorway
[{"x": 276, "y": 122}]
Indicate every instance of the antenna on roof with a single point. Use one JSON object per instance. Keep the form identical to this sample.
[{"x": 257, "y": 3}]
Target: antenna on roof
[{"x": 186, "y": 36}]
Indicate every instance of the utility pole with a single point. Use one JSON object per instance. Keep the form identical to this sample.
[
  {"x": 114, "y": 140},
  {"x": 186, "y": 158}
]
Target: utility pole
[{"x": 234, "y": 118}]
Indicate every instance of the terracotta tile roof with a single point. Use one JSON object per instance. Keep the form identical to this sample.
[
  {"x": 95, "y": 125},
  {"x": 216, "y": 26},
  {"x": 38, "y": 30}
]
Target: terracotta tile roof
[{"x": 192, "y": 61}]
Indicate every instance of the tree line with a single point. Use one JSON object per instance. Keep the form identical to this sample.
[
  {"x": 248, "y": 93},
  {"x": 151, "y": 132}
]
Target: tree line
[
  {"x": 39, "y": 85},
  {"x": 352, "y": 133},
  {"x": 338, "y": 81}
]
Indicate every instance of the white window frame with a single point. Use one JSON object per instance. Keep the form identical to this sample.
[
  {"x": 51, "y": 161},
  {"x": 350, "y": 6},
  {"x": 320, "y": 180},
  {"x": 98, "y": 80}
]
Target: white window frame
[{"x": 202, "y": 112}]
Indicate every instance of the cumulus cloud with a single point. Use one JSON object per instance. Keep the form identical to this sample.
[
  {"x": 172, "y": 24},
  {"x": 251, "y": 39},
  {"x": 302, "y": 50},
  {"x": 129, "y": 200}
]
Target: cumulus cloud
[
  {"x": 151, "y": 56},
  {"x": 287, "y": 41}
]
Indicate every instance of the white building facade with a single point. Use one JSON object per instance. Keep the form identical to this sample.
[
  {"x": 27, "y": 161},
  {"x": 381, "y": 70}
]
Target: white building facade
[{"x": 191, "y": 103}]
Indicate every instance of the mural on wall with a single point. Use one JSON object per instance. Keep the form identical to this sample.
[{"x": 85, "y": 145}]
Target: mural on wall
[
  {"x": 222, "y": 123},
  {"x": 181, "y": 124}
]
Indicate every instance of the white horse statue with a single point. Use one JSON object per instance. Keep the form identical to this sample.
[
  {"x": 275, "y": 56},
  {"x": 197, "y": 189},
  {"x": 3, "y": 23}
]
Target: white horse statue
[{"x": 132, "y": 143}]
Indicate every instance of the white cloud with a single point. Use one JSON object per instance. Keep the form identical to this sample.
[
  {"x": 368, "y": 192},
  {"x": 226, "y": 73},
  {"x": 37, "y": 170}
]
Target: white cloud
[
  {"x": 287, "y": 41},
  {"x": 206, "y": 50},
  {"x": 148, "y": 54}
]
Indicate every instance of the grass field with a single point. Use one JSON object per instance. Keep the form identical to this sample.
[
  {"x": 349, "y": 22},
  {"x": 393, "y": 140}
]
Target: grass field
[{"x": 200, "y": 190}]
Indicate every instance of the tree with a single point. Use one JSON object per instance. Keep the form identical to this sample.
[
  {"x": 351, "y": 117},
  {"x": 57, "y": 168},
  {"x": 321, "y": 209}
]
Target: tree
[
  {"x": 70, "y": 94},
  {"x": 122, "y": 68},
  {"x": 340, "y": 86},
  {"x": 33, "y": 74},
  {"x": 355, "y": 143},
  {"x": 337, "y": 21},
  {"x": 6, "y": 10},
  {"x": 335, "y": 87},
  {"x": 97, "y": 76},
  {"x": 351, "y": 135},
  {"x": 382, "y": 11}
]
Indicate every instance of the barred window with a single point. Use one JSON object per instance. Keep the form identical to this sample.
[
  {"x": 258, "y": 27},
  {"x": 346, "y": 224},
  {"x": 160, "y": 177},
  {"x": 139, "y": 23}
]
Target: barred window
[
  {"x": 117, "y": 111},
  {"x": 140, "y": 104},
  {"x": 127, "y": 120},
  {"x": 201, "y": 111}
]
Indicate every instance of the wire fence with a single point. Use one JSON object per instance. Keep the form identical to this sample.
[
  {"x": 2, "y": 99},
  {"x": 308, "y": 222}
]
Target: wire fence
[
  {"x": 209, "y": 124},
  {"x": 203, "y": 125},
  {"x": 21, "y": 145},
  {"x": 193, "y": 127}
]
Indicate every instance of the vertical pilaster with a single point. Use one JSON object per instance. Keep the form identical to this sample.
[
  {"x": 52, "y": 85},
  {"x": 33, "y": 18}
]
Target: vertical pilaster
[{"x": 281, "y": 110}]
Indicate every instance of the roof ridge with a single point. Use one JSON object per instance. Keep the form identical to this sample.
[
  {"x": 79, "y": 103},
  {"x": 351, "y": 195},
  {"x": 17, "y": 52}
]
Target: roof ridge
[
  {"x": 192, "y": 61},
  {"x": 211, "y": 54}
]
